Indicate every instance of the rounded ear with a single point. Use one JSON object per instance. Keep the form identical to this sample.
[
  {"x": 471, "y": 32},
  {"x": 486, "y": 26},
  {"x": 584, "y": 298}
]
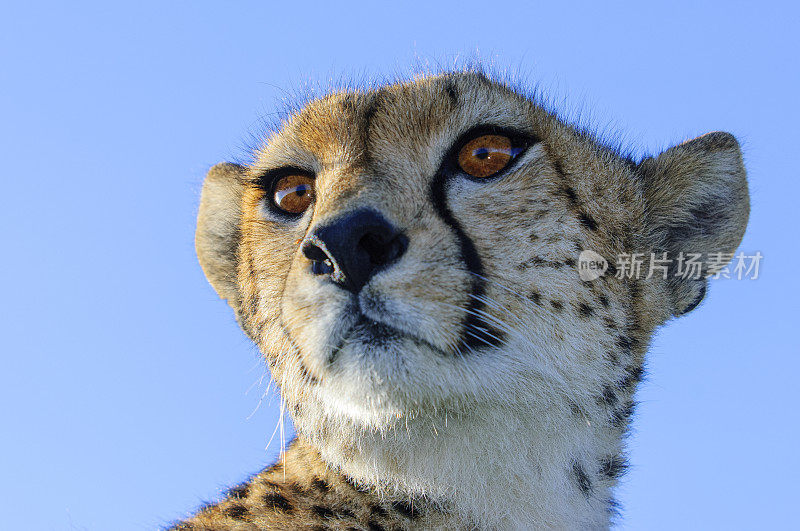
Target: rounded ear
[
  {"x": 697, "y": 202},
  {"x": 217, "y": 236}
]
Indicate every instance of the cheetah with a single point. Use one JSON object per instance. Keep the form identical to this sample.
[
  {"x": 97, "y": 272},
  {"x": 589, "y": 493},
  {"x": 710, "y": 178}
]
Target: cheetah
[{"x": 408, "y": 260}]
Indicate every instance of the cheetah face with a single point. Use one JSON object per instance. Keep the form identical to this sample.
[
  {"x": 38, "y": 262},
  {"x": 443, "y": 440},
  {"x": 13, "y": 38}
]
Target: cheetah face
[{"x": 415, "y": 249}]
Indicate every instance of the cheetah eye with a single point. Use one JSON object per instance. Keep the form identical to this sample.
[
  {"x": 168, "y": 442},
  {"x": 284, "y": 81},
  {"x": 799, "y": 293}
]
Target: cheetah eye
[
  {"x": 487, "y": 155},
  {"x": 293, "y": 194}
]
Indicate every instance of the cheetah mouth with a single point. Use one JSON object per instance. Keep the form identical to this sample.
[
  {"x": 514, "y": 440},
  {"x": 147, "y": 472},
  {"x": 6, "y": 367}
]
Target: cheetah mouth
[{"x": 377, "y": 334}]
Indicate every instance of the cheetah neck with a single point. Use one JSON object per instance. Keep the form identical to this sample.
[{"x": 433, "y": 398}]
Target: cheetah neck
[{"x": 495, "y": 468}]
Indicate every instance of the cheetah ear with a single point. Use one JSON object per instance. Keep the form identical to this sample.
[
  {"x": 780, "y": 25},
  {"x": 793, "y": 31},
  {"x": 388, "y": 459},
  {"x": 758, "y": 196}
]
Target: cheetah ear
[
  {"x": 696, "y": 202},
  {"x": 217, "y": 236}
]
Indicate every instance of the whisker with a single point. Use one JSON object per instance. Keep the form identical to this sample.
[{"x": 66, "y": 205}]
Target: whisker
[
  {"x": 480, "y": 338},
  {"x": 527, "y": 302},
  {"x": 482, "y": 315}
]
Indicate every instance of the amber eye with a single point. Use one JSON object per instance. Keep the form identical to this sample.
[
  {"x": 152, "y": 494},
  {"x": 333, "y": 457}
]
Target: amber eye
[
  {"x": 294, "y": 193},
  {"x": 486, "y": 155}
]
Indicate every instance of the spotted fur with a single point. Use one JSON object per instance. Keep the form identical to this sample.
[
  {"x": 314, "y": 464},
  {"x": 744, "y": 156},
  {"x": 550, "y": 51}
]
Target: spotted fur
[{"x": 497, "y": 386}]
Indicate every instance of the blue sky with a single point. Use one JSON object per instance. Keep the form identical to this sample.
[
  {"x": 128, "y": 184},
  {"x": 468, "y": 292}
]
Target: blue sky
[{"x": 127, "y": 393}]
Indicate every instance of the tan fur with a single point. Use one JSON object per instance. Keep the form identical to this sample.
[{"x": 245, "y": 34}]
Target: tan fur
[{"x": 525, "y": 433}]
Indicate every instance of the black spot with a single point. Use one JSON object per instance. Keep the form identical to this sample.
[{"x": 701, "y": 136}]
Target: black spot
[
  {"x": 535, "y": 297},
  {"x": 603, "y": 300},
  {"x": 625, "y": 343},
  {"x": 635, "y": 374},
  {"x": 405, "y": 508},
  {"x": 585, "y": 310},
  {"x": 537, "y": 261},
  {"x": 375, "y": 526},
  {"x": 239, "y": 492},
  {"x": 624, "y": 414},
  {"x": 345, "y": 511},
  {"x": 613, "y": 466},
  {"x": 569, "y": 193},
  {"x": 322, "y": 512},
  {"x": 557, "y": 305},
  {"x": 583, "y": 481},
  {"x": 355, "y": 486},
  {"x": 570, "y": 262},
  {"x": 452, "y": 93},
  {"x": 378, "y": 509},
  {"x": 277, "y": 502},
  {"x": 533, "y": 237},
  {"x": 587, "y": 221},
  {"x": 321, "y": 484},
  {"x": 236, "y": 511},
  {"x": 609, "y": 396}
]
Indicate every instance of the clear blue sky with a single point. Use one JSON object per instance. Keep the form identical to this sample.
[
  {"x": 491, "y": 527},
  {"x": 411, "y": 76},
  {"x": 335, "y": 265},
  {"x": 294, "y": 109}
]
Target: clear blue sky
[{"x": 127, "y": 393}]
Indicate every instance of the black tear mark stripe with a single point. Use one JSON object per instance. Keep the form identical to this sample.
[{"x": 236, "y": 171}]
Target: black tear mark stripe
[{"x": 476, "y": 333}]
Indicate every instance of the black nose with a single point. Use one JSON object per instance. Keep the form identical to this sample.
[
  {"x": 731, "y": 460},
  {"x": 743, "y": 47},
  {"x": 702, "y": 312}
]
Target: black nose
[{"x": 353, "y": 248}]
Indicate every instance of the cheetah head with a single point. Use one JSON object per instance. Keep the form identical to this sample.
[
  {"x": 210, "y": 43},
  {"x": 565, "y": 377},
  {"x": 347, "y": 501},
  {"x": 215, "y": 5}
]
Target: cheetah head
[{"x": 407, "y": 260}]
